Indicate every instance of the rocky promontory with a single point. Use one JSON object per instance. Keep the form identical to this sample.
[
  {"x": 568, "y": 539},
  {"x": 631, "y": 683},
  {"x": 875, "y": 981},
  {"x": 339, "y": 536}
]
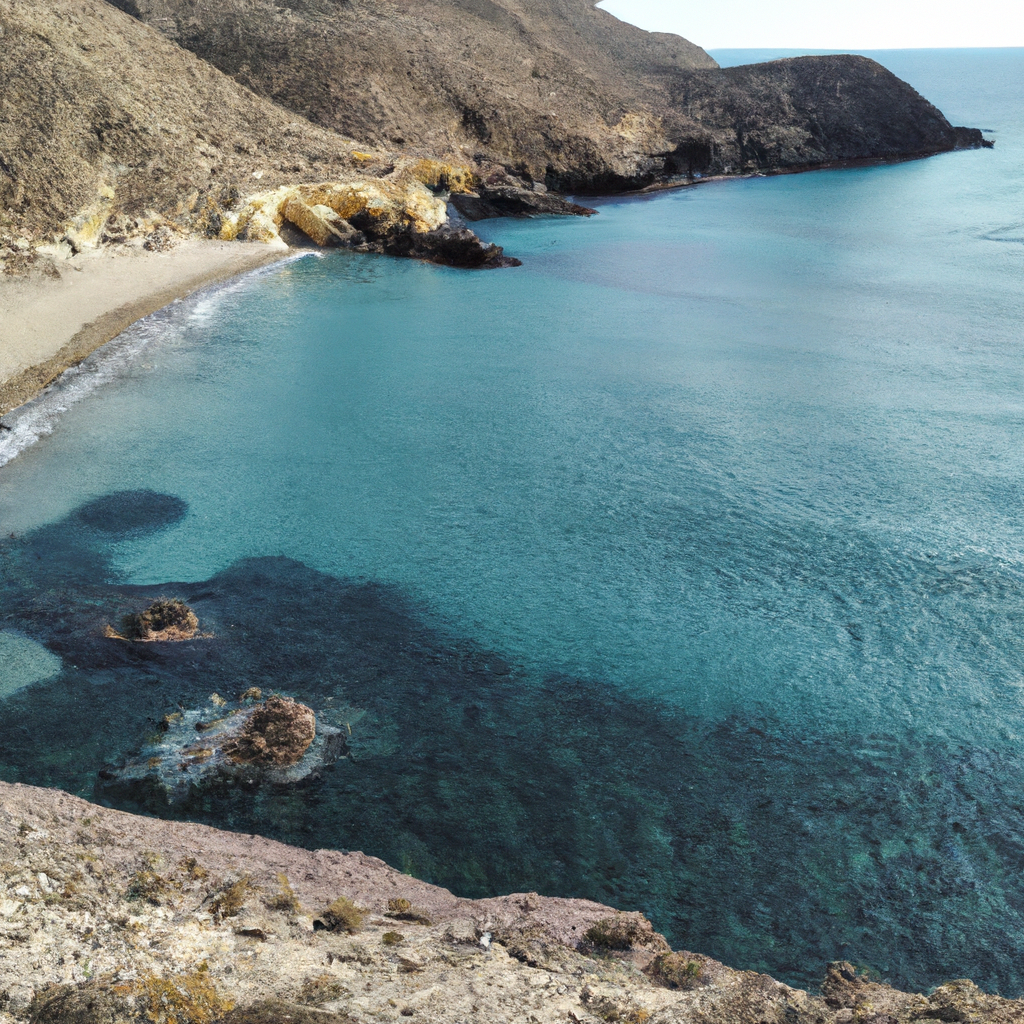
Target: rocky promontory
[
  {"x": 557, "y": 92},
  {"x": 383, "y": 126},
  {"x": 111, "y": 918}
]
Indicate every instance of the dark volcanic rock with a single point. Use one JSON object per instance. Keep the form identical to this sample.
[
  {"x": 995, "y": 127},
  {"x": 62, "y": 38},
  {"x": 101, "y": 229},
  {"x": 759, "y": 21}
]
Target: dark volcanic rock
[
  {"x": 811, "y": 111},
  {"x": 510, "y": 201},
  {"x": 453, "y": 247}
]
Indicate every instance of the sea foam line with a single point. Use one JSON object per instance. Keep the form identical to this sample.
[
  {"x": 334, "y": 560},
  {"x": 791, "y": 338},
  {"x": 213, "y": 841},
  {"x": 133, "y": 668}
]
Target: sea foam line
[{"x": 39, "y": 416}]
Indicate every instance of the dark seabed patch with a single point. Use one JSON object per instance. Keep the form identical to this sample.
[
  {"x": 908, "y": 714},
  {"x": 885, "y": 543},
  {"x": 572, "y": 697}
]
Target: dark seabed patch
[{"x": 903, "y": 852}]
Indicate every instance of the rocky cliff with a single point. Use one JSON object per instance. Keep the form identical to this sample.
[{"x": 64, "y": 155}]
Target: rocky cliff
[
  {"x": 109, "y": 918},
  {"x": 555, "y": 91},
  {"x": 108, "y": 130}
]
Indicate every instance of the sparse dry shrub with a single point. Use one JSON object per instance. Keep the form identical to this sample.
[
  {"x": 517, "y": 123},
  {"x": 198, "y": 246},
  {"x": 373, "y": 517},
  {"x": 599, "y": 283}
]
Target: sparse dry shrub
[
  {"x": 391, "y": 938},
  {"x": 675, "y": 970},
  {"x": 343, "y": 916},
  {"x": 322, "y": 989},
  {"x": 402, "y": 910},
  {"x": 229, "y": 901},
  {"x": 625, "y": 931},
  {"x": 149, "y": 886},
  {"x": 192, "y": 869},
  {"x": 183, "y": 999},
  {"x": 285, "y": 900}
]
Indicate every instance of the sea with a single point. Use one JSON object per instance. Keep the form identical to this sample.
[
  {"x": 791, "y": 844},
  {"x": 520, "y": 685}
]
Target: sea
[{"x": 680, "y": 568}]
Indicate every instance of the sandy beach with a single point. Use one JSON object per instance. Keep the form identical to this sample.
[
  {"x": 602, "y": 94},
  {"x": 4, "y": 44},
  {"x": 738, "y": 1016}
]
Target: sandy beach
[{"x": 50, "y": 323}]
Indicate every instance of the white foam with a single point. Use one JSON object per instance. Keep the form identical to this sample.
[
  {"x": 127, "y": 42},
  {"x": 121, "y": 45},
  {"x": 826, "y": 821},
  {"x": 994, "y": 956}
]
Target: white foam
[{"x": 38, "y": 417}]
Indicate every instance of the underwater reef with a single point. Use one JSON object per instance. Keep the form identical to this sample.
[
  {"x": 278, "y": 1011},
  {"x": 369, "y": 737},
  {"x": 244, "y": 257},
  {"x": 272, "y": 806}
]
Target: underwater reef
[{"x": 465, "y": 770}]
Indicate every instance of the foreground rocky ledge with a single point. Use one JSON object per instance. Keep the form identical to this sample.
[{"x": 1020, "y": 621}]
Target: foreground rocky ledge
[{"x": 110, "y": 917}]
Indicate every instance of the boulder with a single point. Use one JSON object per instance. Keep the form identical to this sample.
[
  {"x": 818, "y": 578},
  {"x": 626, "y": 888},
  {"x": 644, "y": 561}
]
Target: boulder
[
  {"x": 276, "y": 742},
  {"x": 276, "y": 734}
]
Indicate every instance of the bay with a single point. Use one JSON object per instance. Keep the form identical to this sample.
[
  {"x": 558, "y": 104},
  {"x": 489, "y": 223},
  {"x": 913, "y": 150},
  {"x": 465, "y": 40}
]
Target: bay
[{"x": 680, "y": 568}]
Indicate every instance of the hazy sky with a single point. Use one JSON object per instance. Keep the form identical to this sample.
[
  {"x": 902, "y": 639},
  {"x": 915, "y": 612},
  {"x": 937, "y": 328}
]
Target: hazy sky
[{"x": 821, "y": 24}]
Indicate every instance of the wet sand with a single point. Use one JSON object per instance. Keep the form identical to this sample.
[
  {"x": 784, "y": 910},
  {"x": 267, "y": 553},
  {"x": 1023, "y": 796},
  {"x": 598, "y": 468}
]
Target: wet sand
[{"x": 50, "y": 323}]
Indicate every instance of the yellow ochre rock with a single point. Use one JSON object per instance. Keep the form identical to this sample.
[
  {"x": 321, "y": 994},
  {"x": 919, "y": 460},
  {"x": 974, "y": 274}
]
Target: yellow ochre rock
[
  {"x": 320, "y": 223},
  {"x": 397, "y": 203}
]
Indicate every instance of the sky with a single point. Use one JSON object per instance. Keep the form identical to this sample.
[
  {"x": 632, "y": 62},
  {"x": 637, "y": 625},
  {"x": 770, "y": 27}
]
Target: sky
[{"x": 820, "y": 24}]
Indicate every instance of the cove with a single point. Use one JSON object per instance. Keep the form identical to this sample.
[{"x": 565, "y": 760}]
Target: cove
[{"x": 680, "y": 568}]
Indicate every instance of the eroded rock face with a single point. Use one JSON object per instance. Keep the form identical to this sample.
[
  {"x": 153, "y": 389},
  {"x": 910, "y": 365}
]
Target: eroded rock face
[{"x": 403, "y": 213}]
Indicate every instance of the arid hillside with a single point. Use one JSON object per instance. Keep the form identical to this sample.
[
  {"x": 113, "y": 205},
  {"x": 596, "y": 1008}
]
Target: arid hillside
[
  {"x": 554, "y": 90},
  {"x": 108, "y": 130},
  {"x": 93, "y": 102},
  {"x": 523, "y": 83}
]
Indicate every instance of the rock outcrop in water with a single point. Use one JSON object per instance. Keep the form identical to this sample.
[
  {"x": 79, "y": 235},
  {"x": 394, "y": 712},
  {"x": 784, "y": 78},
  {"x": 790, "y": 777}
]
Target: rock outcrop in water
[
  {"x": 162, "y": 620},
  {"x": 277, "y": 742},
  {"x": 113, "y": 918},
  {"x": 404, "y": 213}
]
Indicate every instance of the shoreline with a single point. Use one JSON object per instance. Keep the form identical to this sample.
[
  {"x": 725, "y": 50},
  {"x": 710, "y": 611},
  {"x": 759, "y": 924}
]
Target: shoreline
[{"x": 50, "y": 324}]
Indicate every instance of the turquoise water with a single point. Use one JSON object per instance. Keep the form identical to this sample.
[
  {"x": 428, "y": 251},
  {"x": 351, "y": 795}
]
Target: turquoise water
[{"x": 681, "y": 568}]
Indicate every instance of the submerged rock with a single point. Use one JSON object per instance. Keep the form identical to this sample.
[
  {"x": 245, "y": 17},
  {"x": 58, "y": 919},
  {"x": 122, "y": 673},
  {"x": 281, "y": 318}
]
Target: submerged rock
[
  {"x": 130, "y": 513},
  {"x": 278, "y": 742}
]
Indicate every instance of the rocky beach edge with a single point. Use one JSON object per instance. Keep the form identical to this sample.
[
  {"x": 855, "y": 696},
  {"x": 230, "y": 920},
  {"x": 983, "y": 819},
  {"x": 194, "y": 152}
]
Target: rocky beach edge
[{"x": 109, "y": 917}]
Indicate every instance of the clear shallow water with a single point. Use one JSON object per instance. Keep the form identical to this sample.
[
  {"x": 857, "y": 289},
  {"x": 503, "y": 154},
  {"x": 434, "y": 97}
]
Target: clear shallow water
[{"x": 680, "y": 568}]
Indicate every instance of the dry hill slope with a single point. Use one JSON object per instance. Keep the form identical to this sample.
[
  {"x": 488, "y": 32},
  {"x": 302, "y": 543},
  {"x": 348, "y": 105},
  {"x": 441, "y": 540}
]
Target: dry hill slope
[
  {"x": 108, "y": 129},
  {"x": 554, "y": 90}
]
